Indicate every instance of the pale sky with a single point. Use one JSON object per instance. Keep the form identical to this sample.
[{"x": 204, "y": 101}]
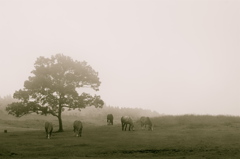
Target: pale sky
[{"x": 171, "y": 56}]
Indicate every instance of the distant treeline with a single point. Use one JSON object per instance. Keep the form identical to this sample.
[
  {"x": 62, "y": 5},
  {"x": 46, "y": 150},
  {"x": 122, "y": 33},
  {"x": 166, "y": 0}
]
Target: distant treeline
[
  {"x": 117, "y": 112},
  {"x": 92, "y": 112},
  {"x": 4, "y": 101}
]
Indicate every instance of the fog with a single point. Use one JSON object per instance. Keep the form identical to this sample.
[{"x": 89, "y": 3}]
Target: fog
[{"x": 174, "y": 57}]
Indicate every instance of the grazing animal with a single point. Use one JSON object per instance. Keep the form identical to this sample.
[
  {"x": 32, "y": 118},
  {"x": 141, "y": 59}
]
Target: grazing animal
[
  {"x": 110, "y": 119},
  {"x": 126, "y": 120},
  {"x": 145, "y": 121},
  {"x": 77, "y": 128},
  {"x": 48, "y": 129}
]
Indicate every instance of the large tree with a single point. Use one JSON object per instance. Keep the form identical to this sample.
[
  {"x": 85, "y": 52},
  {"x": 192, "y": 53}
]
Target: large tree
[{"x": 54, "y": 88}]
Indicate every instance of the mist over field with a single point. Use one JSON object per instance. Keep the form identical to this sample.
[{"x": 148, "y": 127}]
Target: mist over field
[
  {"x": 184, "y": 136},
  {"x": 187, "y": 136}
]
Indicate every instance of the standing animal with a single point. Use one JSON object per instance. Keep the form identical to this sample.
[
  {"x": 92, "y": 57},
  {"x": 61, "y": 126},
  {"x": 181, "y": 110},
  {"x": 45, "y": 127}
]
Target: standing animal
[
  {"x": 126, "y": 120},
  {"x": 110, "y": 119},
  {"x": 48, "y": 129},
  {"x": 77, "y": 128},
  {"x": 145, "y": 121}
]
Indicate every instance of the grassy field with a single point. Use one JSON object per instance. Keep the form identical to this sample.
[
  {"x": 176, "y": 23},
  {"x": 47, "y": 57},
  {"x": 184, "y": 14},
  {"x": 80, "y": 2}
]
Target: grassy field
[{"x": 173, "y": 137}]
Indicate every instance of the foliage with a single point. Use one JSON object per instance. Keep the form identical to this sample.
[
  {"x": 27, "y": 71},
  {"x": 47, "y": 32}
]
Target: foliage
[{"x": 54, "y": 88}]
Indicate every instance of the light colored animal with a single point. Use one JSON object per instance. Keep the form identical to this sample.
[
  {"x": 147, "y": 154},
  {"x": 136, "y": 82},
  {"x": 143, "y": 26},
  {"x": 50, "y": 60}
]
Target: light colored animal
[
  {"x": 77, "y": 128},
  {"x": 110, "y": 119},
  {"x": 48, "y": 129},
  {"x": 145, "y": 121},
  {"x": 126, "y": 120}
]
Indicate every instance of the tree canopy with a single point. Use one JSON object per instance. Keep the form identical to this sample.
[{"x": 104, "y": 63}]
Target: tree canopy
[{"x": 53, "y": 88}]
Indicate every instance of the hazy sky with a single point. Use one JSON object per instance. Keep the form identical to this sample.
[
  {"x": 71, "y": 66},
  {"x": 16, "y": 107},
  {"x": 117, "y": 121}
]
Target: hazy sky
[{"x": 172, "y": 56}]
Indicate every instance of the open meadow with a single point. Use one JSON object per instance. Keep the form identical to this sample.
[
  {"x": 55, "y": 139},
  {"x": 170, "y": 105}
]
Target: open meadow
[{"x": 187, "y": 136}]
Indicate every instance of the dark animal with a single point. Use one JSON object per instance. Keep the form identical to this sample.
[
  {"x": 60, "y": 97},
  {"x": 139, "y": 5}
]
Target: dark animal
[
  {"x": 48, "y": 129},
  {"x": 110, "y": 119},
  {"x": 126, "y": 120},
  {"x": 145, "y": 121},
  {"x": 77, "y": 128}
]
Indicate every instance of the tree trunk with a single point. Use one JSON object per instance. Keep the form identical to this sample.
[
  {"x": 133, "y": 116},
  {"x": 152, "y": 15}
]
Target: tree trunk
[{"x": 60, "y": 129}]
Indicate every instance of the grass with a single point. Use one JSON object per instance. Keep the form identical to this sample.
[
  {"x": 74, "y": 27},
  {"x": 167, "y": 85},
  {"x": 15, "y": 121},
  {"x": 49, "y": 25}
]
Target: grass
[{"x": 187, "y": 136}]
